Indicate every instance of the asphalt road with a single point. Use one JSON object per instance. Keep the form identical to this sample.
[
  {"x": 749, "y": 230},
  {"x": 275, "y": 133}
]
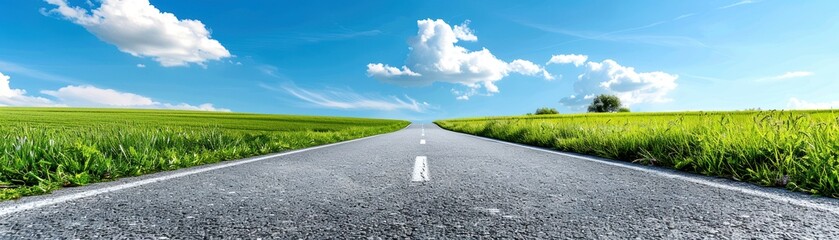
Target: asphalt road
[{"x": 466, "y": 187}]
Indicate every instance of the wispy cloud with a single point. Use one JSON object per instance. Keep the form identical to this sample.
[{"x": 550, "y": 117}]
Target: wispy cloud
[
  {"x": 348, "y": 34},
  {"x": 10, "y": 67},
  {"x": 620, "y": 36},
  {"x": 786, "y": 76},
  {"x": 289, "y": 38},
  {"x": 744, "y": 2},
  {"x": 707, "y": 79},
  {"x": 683, "y": 16},
  {"x": 350, "y": 100},
  {"x": 273, "y": 71}
]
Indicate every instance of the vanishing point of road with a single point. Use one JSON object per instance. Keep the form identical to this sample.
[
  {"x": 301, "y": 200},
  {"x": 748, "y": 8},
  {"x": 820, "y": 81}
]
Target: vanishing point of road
[{"x": 421, "y": 182}]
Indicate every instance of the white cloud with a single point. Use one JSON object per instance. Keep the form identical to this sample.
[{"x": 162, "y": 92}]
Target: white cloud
[
  {"x": 6, "y": 90},
  {"x": 609, "y": 77},
  {"x": 576, "y": 59},
  {"x": 183, "y": 106},
  {"x": 529, "y": 68},
  {"x": 342, "y": 99},
  {"x": 378, "y": 69},
  {"x": 795, "y": 103},
  {"x": 466, "y": 94},
  {"x": 434, "y": 56},
  {"x": 17, "y": 97},
  {"x": 463, "y": 32},
  {"x": 140, "y": 65},
  {"x": 90, "y": 96},
  {"x": 787, "y": 75},
  {"x": 140, "y": 29}
]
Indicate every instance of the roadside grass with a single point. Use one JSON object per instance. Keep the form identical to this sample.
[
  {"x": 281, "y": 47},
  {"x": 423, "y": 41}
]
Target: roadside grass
[
  {"x": 798, "y": 150},
  {"x": 43, "y": 149}
]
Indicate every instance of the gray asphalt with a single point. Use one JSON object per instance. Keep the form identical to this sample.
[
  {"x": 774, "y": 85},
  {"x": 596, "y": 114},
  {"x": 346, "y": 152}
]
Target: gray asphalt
[{"x": 477, "y": 189}]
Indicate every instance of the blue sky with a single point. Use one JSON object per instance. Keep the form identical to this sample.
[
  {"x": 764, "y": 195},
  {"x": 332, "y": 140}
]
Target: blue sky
[{"x": 419, "y": 60}]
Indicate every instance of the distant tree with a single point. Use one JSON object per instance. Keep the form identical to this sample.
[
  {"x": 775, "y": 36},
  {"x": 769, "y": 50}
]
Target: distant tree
[
  {"x": 546, "y": 110},
  {"x": 623, "y": 109},
  {"x": 605, "y": 103}
]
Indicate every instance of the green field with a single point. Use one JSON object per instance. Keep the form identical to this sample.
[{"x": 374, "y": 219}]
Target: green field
[
  {"x": 47, "y": 148},
  {"x": 798, "y": 150}
]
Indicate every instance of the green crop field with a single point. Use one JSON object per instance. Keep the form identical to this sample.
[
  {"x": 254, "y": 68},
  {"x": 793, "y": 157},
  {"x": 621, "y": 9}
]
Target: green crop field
[
  {"x": 42, "y": 149},
  {"x": 798, "y": 150}
]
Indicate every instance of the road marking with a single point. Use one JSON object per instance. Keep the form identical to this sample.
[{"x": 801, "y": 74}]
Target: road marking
[
  {"x": 420, "y": 169},
  {"x": 772, "y": 196},
  {"x": 422, "y": 141},
  {"x": 70, "y": 197}
]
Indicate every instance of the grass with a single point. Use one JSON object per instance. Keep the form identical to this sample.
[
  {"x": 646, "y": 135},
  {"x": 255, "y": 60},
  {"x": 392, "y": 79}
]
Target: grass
[
  {"x": 798, "y": 150},
  {"x": 42, "y": 149}
]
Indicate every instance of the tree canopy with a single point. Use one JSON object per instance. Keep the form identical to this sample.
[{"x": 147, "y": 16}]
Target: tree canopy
[
  {"x": 546, "y": 110},
  {"x": 606, "y": 103}
]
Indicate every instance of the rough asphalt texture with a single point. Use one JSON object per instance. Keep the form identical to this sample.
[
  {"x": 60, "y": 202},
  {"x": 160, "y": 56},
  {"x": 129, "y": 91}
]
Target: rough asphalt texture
[{"x": 477, "y": 188}]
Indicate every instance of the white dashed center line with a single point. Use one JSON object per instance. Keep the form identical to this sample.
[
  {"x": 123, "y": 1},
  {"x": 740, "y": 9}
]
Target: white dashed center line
[
  {"x": 420, "y": 170},
  {"x": 422, "y": 141}
]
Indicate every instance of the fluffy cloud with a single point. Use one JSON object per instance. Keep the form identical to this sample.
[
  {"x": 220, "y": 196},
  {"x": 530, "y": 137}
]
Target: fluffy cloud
[
  {"x": 382, "y": 70},
  {"x": 90, "y": 96},
  {"x": 609, "y": 77},
  {"x": 140, "y": 29},
  {"x": 463, "y": 32},
  {"x": 183, "y": 106},
  {"x": 435, "y": 56},
  {"x": 6, "y": 90},
  {"x": 576, "y": 59},
  {"x": 795, "y": 103},
  {"x": 529, "y": 68},
  {"x": 338, "y": 99},
  {"x": 17, "y": 97}
]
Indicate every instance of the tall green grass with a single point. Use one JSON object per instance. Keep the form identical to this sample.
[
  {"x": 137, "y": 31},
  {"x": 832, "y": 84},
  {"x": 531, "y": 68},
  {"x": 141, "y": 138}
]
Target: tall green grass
[
  {"x": 798, "y": 150},
  {"x": 42, "y": 149}
]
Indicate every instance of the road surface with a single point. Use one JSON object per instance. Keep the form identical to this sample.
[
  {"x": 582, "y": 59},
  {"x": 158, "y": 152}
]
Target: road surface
[{"x": 420, "y": 182}]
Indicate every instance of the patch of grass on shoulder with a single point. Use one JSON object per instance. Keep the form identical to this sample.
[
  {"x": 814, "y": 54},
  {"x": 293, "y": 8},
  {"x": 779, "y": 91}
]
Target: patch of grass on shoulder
[
  {"x": 798, "y": 150},
  {"x": 42, "y": 149}
]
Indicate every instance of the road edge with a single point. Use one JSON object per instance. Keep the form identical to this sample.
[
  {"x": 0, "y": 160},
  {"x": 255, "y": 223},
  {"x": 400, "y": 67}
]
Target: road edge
[
  {"x": 39, "y": 201},
  {"x": 789, "y": 197}
]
